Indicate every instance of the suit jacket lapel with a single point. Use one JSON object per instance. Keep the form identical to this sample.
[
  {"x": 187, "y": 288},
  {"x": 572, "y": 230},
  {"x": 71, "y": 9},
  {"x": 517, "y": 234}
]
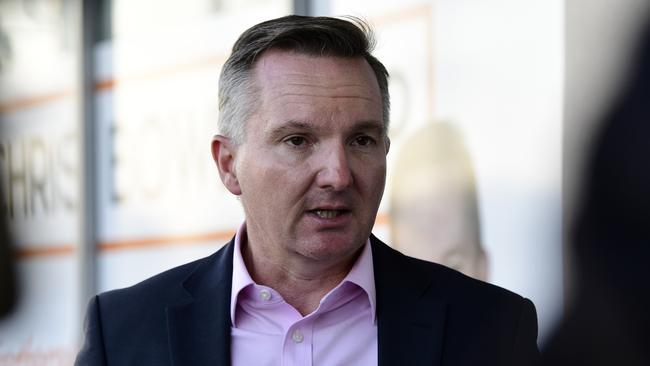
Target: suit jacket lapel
[
  {"x": 199, "y": 330},
  {"x": 410, "y": 319}
]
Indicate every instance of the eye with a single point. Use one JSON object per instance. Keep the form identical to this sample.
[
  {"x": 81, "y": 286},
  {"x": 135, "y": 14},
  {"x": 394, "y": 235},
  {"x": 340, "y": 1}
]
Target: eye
[
  {"x": 363, "y": 141},
  {"x": 296, "y": 141}
]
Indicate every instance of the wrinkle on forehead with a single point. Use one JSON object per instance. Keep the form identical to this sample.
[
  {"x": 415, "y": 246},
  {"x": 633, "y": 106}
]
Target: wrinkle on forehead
[
  {"x": 317, "y": 78},
  {"x": 322, "y": 82},
  {"x": 281, "y": 68},
  {"x": 319, "y": 87},
  {"x": 338, "y": 96}
]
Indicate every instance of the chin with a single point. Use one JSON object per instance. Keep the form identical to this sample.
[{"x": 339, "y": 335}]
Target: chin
[{"x": 332, "y": 247}]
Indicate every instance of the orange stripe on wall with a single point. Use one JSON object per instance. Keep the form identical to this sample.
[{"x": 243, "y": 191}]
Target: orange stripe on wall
[
  {"x": 157, "y": 74},
  {"x": 102, "y": 85},
  {"x": 33, "y": 101},
  {"x": 154, "y": 242},
  {"x": 50, "y": 251}
]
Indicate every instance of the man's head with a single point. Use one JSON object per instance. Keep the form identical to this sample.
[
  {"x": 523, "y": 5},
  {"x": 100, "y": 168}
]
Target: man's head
[
  {"x": 306, "y": 152},
  {"x": 433, "y": 204},
  {"x": 313, "y": 36}
]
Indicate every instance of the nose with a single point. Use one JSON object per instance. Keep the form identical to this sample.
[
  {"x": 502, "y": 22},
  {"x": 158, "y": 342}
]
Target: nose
[{"x": 334, "y": 172}]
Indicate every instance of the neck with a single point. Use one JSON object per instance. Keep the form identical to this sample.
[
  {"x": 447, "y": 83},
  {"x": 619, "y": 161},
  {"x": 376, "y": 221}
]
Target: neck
[{"x": 301, "y": 282}]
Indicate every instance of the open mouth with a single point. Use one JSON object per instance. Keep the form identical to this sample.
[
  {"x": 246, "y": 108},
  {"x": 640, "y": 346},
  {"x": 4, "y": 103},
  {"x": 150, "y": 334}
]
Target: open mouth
[{"x": 328, "y": 214}]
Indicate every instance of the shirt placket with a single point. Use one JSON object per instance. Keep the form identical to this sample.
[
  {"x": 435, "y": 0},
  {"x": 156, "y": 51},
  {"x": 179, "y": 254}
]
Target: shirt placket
[{"x": 298, "y": 343}]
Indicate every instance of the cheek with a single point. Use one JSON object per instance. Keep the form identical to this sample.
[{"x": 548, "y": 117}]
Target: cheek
[
  {"x": 371, "y": 178},
  {"x": 271, "y": 180}
]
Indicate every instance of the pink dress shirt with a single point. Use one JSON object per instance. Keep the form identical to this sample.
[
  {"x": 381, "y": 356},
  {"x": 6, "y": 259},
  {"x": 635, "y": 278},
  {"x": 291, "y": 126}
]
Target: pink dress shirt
[{"x": 268, "y": 331}]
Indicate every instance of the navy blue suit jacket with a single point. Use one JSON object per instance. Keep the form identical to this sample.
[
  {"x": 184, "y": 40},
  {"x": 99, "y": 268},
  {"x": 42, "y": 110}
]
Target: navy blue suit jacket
[{"x": 427, "y": 314}]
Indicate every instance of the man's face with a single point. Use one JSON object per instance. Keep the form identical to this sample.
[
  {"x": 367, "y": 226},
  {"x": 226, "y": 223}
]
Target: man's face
[{"x": 312, "y": 166}]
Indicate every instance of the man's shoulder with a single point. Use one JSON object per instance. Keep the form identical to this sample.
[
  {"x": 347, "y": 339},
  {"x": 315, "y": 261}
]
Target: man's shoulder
[
  {"x": 468, "y": 304},
  {"x": 457, "y": 285},
  {"x": 139, "y": 314},
  {"x": 156, "y": 285},
  {"x": 165, "y": 288},
  {"x": 454, "y": 286}
]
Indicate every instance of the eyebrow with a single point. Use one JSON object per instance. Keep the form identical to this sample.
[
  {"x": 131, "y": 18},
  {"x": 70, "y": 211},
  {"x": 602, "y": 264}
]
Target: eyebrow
[
  {"x": 375, "y": 126},
  {"x": 293, "y": 126},
  {"x": 290, "y": 127}
]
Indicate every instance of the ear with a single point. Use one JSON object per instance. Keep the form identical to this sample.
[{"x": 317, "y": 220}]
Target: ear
[
  {"x": 223, "y": 153},
  {"x": 387, "y": 144}
]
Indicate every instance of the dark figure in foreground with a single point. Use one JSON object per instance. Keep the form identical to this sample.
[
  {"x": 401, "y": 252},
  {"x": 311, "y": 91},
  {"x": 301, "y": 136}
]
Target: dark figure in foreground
[
  {"x": 609, "y": 322},
  {"x": 303, "y": 142},
  {"x": 8, "y": 290}
]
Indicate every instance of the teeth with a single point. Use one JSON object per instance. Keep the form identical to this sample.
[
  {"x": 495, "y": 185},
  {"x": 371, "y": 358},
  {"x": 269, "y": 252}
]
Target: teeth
[{"x": 327, "y": 214}]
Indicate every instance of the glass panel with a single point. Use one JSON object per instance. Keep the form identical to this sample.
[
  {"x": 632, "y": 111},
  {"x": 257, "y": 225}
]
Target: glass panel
[
  {"x": 39, "y": 119},
  {"x": 161, "y": 200}
]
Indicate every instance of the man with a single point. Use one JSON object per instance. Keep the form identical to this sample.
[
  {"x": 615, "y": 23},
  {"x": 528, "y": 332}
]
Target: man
[
  {"x": 433, "y": 204},
  {"x": 303, "y": 143}
]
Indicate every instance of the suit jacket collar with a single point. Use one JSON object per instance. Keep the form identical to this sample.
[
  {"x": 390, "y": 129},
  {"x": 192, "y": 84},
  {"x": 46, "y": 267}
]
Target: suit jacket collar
[
  {"x": 199, "y": 330},
  {"x": 410, "y": 319}
]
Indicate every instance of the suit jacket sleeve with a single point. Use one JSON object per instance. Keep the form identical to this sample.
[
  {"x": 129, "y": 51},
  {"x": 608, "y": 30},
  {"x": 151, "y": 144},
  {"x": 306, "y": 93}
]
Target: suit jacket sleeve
[
  {"x": 525, "y": 348},
  {"x": 92, "y": 351}
]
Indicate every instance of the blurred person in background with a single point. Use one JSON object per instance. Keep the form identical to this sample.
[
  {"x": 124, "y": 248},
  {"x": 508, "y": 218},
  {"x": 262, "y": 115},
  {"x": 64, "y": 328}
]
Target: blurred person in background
[
  {"x": 433, "y": 205},
  {"x": 303, "y": 141},
  {"x": 608, "y": 323}
]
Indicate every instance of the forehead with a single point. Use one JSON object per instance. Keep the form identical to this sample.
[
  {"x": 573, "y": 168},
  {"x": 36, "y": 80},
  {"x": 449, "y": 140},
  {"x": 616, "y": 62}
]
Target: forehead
[{"x": 282, "y": 73}]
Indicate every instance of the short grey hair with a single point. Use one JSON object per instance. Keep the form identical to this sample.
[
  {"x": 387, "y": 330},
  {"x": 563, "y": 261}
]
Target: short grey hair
[{"x": 315, "y": 36}]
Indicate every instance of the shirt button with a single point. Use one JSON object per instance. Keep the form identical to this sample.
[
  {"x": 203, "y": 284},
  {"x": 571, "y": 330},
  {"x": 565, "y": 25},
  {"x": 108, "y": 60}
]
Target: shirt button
[
  {"x": 265, "y": 295},
  {"x": 297, "y": 336}
]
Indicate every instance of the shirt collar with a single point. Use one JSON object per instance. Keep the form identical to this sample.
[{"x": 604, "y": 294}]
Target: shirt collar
[
  {"x": 240, "y": 276},
  {"x": 362, "y": 274}
]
